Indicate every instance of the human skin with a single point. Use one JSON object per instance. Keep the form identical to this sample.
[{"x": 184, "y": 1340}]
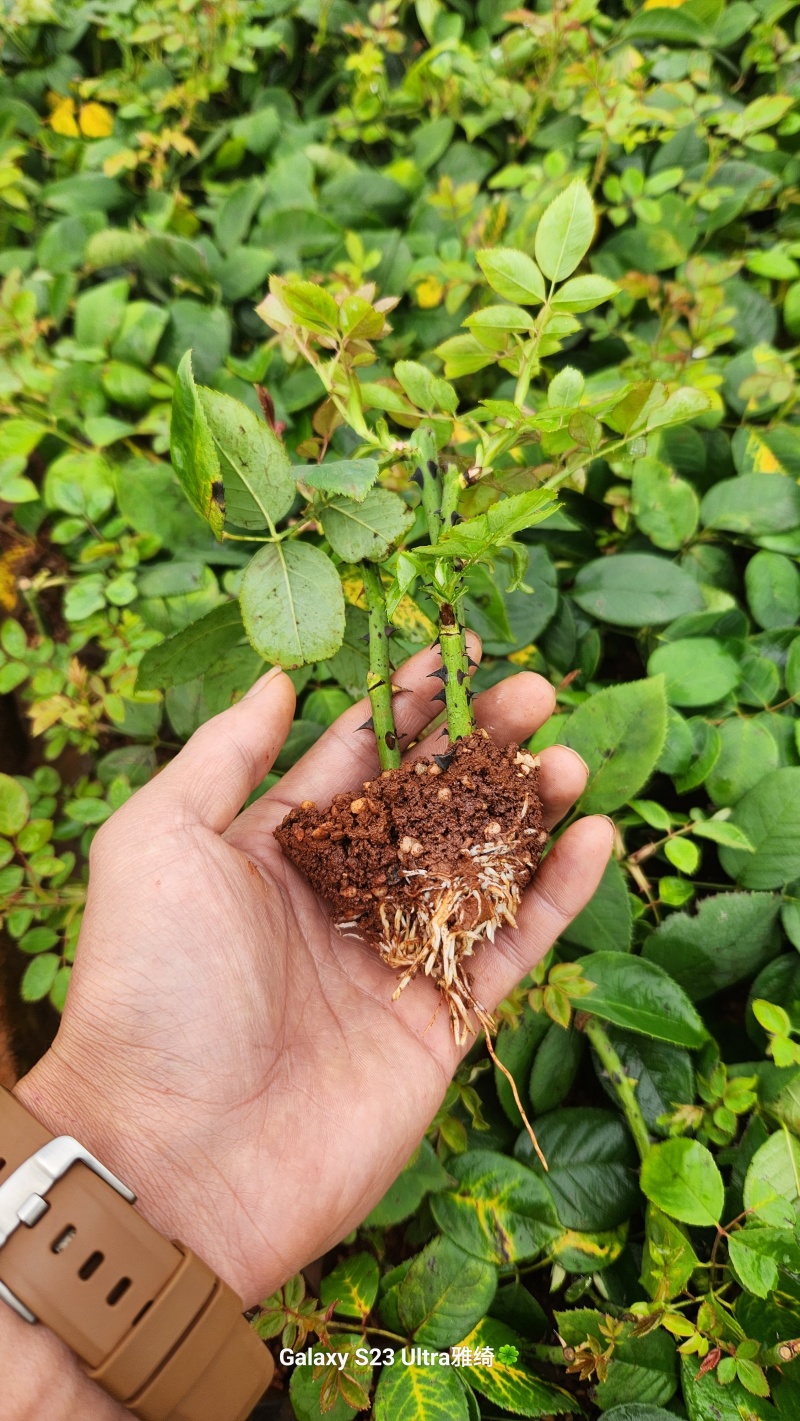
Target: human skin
[{"x": 223, "y": 1050}]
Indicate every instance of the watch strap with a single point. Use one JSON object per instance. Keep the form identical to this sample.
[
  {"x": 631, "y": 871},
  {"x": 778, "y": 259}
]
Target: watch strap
[{"x": 151, "y": 1323}]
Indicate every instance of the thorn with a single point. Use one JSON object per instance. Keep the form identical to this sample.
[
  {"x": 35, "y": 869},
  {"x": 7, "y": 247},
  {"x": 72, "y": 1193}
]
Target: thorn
[
  {"x": 368, "y": 725},
  {"x": 441, "y": 674},
  {"x": 443, "y": 761},
  {"x": 443, "y": 731},
  {"x": 389, "y": 631},
  {"x": 435, "y": 645},
  {"x": 377, "y": 685},
  {"x": 391, "y": 740},
  {"x": 433, "y": 468},
  {"x": 365, "y": 638},
  {"x": 473, "y": 665},
  {"x": 456, "y": 518},
  {"x": 417, "y": 478},
  {"x": 440, "y": 696},
  {"x": 461, "y": 677}
]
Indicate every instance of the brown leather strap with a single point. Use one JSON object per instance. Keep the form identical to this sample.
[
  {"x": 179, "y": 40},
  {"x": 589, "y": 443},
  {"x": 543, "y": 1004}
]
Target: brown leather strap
[{"x": 151, "y": 1322}]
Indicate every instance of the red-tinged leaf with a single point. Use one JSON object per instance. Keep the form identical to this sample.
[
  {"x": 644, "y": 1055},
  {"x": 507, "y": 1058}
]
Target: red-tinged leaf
[{"x": 710, "y": 1361}]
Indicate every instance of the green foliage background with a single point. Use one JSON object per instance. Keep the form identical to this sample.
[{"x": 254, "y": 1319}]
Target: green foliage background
[{"x": 158, "y": 163}]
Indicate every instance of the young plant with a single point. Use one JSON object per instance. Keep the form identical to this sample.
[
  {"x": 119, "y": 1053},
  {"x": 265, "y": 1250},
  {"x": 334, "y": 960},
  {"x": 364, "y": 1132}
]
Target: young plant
[{"x": 431, "y": 858}]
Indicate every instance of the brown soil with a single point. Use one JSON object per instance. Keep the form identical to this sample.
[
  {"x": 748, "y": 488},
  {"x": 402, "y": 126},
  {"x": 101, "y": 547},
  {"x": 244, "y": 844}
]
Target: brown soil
[{"x": 426, "y": 861}]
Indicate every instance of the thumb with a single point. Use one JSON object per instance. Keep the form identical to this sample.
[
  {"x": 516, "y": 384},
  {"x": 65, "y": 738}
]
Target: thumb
[{"x": 224, "y": 761}]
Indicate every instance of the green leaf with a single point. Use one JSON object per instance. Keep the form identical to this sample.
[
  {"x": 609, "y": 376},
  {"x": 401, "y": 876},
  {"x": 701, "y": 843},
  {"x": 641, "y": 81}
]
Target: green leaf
[
  {"x": 747, "y": 753},
  {"x": 697, "y": 670},
  {"x": 444, "y": 1293},
  {"x": 513, "y": 275},
  {"x": 636, "y": 590},
  {"x": 498, "y": 1210},
  {"x": 314, "y": 308},
  {"x": 555, "y": 1067},
  {"x": 307, "y": 1382},
  {"x": 511, "y": 1385},
  {"x": 423, "y": 1175},
  {"x": 14, "y": 806},
  {"x": 773, "y": 589},
  {"x": 352, "y": 1286},
  {"x": 420, "y": 1393},
  {"x": 665, "y": 507},
  {"x": 583, "y": 293},
  {"x": 769, "y": 814},
  {"x": 756, "y": 1253},
  {"x": 353, "y": 478},
  {"x": 620, "y": 733},
  {"x": 732, "y": 936},
  {"x": 38, "y": 977},
  {"x": 257, "y": 476},
  {"x": 192, "y": 651},
  {"x": 292, "y": 604},
  {"x": 478, "y": 536},
  {"x": 426, "y": 390},
  {"x": 194, "y": 454},
  {"x": 772, "y": 1182},
  {"x": 80, "y": 484},
  {"x": 753, "y": 503},
  {"x": 681, "y": 1178},
  {"x": 516, "y": 1048},
  {"x": 565, "y": 232},
  {"x": 367, "y": 529},
  {"x": 605, "y": 924},
  {"x": 591, "y": 1166},
  {"x": 636, "y": 994},
  {"x": 668, "y": 1260}
]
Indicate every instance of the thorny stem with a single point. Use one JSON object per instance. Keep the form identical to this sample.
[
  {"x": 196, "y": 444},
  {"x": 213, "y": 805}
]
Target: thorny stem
[
  {"x": 379, "y": 676},
  {"x": 427, "y": 474},
  {"x": 455, "y": 673},
  {"x": 621, "y": 1083}
]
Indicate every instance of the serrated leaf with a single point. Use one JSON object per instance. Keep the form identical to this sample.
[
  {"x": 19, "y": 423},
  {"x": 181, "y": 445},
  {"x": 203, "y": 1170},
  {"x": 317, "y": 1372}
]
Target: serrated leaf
[
  {"x": 352, "y": 478},
  {"x": 292, "y": 604},
  {"x": 634, "y": 993},
  {"x": 565, "y": 232},
  {"x": 191, "y": 651},
  {"x": 497, "y": 1210},
  {"x": 620, "y": 733},
  {"x": 682, "y": 1179},
  {"x": 368, "y": 529}
]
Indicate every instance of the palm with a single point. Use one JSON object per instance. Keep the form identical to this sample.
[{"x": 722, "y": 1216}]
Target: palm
[{"x": 263, "y": 1050}]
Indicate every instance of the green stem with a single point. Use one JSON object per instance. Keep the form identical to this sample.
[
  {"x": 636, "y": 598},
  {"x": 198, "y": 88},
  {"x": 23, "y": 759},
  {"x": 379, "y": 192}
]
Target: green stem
[
  {"x": 622, "y": 1085},
  {"x": 427, "y": 474},
  {"x": 451, "y": 488},
  {"x": 781, "y": 1354},
  {"x": 379, "y": 676},
  {"x": 455, "y": 668}
]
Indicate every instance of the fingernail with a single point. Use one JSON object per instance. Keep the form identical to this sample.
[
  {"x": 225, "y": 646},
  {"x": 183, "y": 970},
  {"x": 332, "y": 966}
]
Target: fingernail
[
  {"x": 578, "y": 757},
  {"x": 612, "y": 826},
  {"x": 262, "y": 682}
]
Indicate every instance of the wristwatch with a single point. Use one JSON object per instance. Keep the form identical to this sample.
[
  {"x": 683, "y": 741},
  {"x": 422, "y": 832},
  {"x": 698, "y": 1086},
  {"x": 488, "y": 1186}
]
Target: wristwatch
[{"x": 150, "y": 1322}]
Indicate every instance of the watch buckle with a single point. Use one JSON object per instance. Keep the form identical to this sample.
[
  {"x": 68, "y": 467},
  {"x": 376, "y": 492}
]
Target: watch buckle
[{"x": 23, "y": 1196}]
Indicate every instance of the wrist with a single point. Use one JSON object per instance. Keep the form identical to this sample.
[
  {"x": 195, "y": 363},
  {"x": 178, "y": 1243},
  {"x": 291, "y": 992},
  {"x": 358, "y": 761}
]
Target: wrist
[{"x": 130, "y": 1137}]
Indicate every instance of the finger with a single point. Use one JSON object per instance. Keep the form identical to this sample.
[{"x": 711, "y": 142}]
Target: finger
[
  {"x": 562, "y": 780},
  {"x": 224, "y": 761},
  {"x": 511, "y": 710},
  {"x": 346, "y": 754},
  {"x": 562, "y": 887}
]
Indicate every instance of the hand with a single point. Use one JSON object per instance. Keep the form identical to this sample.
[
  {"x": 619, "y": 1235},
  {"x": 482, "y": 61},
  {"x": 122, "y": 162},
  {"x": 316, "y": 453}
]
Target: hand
[{"x": 223, "y": 1049}]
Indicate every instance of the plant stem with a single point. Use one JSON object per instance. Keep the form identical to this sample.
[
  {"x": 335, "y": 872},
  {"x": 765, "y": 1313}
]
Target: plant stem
[
  {"x": 455, "y": 667},
  {"x": 554, "y": 1356},
  {"x": 427, "y": 474},
  {"x": 379, "y": 676},
  {"x": 622, "y": 1085}
]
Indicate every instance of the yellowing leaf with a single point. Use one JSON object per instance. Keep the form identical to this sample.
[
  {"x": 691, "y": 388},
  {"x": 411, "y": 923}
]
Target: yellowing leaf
[
  {"x": 429, "y": 293},
  {"x": 96, "y": 121},
  {"x": 526, "y": 656},
  {"x": 124, "y": 161},
  {"x": 412, "y": 622},
  {"x": 62, "y": 119}
]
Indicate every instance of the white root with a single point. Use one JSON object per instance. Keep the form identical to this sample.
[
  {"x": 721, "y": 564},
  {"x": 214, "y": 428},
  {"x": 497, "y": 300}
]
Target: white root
[{"x": 439, "y": 919}]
